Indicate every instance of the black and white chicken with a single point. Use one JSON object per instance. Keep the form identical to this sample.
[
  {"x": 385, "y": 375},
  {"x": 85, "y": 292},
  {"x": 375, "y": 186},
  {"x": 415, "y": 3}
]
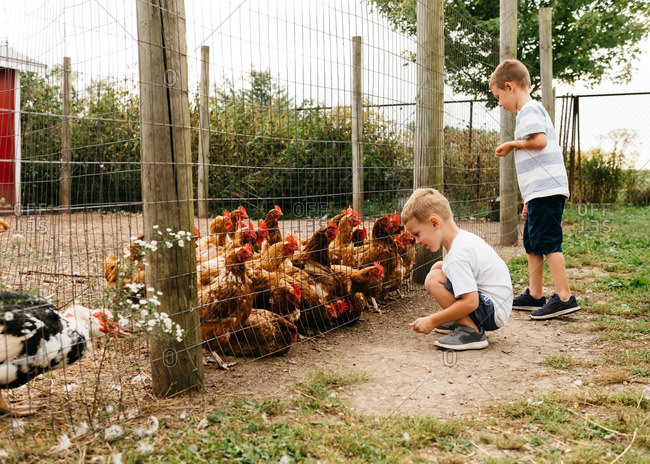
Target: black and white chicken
[{"x": 35, "y": 337}]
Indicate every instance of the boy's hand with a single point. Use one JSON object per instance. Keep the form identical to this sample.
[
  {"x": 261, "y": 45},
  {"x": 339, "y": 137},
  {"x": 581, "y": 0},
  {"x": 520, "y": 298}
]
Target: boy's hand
[
  {"x": 504, "y": 149},
  {"x": 524, "y": 212},
  {"x": 422, "y": 325}
]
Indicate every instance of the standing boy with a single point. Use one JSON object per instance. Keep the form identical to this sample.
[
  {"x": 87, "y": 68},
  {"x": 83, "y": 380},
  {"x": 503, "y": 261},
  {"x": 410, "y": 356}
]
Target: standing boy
[
  {"x": 472, "y": 284},
  {"x": 544, "y": 186}
]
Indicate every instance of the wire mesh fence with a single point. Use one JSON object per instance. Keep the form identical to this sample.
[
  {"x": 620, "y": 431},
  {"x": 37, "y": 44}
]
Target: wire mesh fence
[{"x": 280, "y": 252}]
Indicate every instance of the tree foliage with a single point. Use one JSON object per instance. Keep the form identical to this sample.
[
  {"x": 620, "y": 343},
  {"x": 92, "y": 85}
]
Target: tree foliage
[{"x": 592, "y": 39}]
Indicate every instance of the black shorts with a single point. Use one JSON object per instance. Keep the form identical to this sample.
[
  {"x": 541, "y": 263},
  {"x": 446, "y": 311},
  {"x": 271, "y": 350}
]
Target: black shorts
[
  {"x": 483, "y": 316},
  {"x": 543, "y": 225}
]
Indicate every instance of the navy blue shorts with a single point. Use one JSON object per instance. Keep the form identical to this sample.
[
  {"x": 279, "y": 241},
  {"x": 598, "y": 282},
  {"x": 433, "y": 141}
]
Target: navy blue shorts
[
  {"x": 543, "y": 226},
  {"x": 483, "y": 316}
]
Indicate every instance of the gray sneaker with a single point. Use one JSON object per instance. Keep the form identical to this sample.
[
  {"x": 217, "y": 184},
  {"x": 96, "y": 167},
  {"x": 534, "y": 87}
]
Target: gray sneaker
[
  {"x": 446, "y": 328},
  {"x": 463, "y": 338}
]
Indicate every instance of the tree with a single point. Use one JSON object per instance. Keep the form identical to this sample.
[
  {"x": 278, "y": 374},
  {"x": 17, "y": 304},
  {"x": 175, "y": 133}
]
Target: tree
[{"x": 592, "y": 39}]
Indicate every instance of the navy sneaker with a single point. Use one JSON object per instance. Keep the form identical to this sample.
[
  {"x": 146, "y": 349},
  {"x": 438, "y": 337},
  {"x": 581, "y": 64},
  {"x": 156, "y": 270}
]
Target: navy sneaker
[
  {"x": 556, "y": 307},
  {"x": 525, "y": 302},
  {"x": 446, "y": 328},
  {"x": 463, "y": 338}
]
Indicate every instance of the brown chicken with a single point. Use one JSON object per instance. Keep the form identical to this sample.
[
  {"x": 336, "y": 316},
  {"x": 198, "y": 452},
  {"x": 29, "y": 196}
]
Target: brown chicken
[
  {"x": 127, "y": 269},
  {"x": 379, "y": 248},
  {"x": 359, "y": 234},
  {"x": 264, "y": 333},
  {"x": 271, "y": 220},
  {"x": 346, "y": 225},
  {"x": 226, "y": 302},
  {"x": 316, "y": 249},
  {"x": 208, "y": 247},
  {"x": 4, "y": 226},
  {"x": 236, "y": 216},
  {"x": 406, "y": 248},
  {"x": 361, "y": 281},
  {"x": 276, "y": 292}
]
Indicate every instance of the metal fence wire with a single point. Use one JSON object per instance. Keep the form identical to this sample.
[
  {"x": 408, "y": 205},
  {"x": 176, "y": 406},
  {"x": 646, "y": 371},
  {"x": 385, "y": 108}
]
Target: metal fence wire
[{"x": 275, "y": 252}]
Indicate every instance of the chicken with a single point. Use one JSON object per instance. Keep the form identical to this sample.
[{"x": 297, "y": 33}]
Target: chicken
[
  {"x": 261, "y": 235},
  {"x": 127, "y": 269},
  {"x": 406, "y": 248},
  {"x": 359, "y": 234},
  {"x": 236, "y": 216},
  {"x": 264, "y": 333},
  {"x": 317, "y": 247},
  {"x": 274, "y": 290},
  {"x": 4, "y": 226},
  {"x": 271, "y": 220},
  {"x": 35, "y": 337},
  {"x": 244, "y": 234},
  {"x": 363, "y": 278},
  {"x": 347, "y": 223},
  {"x": 219, "y": 228},
  {"x": 226, "y": 302},
  {"x": 379, "y": 248}
]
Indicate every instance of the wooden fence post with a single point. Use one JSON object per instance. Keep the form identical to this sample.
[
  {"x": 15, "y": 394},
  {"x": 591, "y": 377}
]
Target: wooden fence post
[
  {"x": 204, "y": 133},
  {"x": 429, "y": 112},
  {"x": 65, "y": 182},
  {"x": 167, "y": 188},
  {"x": 507, "y": 172},
  {"x": 357, "y": 127},
  {"x": 546, "y": 60}
]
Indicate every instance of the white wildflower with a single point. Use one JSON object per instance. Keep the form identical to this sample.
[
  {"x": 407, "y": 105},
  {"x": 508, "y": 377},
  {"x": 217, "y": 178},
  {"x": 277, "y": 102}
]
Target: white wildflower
[
  {"x": 64, "y": 444},
  {"x": 155, "y": 226},
  {"x": 9, "y": 316},
  {"x": 150, "y": 289}
]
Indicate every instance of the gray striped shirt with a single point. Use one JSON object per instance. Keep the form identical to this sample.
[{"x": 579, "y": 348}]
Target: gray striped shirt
[{"x": 541, "y": 173}]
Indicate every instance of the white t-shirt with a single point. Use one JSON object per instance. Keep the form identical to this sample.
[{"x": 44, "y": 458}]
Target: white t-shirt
[
  {"x": 473, "y": 265},
  {"x": 540, "y": 173}
]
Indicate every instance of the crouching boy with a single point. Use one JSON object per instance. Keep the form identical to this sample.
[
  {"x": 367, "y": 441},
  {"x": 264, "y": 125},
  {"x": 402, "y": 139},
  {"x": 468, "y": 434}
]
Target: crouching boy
[{"x": 472, "y": 284}]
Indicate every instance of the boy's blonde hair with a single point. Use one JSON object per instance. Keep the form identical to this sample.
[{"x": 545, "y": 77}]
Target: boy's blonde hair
[
  {"x": 510, "y": 71},
  {"x": 424, "y": 203}
]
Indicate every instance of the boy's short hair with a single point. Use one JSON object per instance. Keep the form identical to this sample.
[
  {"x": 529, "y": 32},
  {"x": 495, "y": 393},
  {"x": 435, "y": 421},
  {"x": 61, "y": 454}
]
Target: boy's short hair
[
  {"x": 424, "y": 203},
  {"x": 510, "y": 71}
]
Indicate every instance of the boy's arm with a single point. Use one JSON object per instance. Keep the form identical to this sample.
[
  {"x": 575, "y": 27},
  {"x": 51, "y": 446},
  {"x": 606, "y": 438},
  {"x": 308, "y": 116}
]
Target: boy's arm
[
  {"x": 534, "y": 142},
  {"x": 467, "y": 303}
]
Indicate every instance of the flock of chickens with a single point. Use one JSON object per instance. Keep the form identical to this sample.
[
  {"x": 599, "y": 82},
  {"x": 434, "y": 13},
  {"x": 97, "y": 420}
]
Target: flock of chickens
[{"x": 258, "y": 290}]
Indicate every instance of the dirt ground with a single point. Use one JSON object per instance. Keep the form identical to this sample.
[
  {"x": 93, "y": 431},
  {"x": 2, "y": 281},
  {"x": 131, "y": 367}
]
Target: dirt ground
[{"x": 409, "y": 375}]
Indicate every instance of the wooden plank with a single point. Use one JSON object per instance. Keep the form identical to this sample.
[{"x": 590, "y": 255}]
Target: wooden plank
[
  {"x": 167, "y": 188},
  {"x": 508, "y": 188},
  {"x": 204, "y": 133},
  {"x": 429, "y": 112},
  {"x": 546, "y": 60},
  {"x": 357, "y": 127}
]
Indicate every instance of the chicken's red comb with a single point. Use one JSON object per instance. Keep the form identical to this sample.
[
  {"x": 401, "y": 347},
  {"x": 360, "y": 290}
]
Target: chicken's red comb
[
  {"x": 250, "y": 225},
  {"x": 226, "y": 213},
  {"x": 262, "y": 224},
  {"x": 331, "y": 224},
  {"x": 396, "y": 217},
  {"x": 291, "y": 240},
  {"x": 278, "y": 209},
  {"x": 296, "y": 290},
  {"x": 342, "y": 306},
  {"x": 248, "y": 248},
  {"x": 197, "y": 232},
  {"x": 242, "y": 210},
  {"x": 379, "y": 266}
]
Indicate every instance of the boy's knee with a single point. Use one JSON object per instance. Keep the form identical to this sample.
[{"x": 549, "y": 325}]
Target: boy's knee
[{"x": 434, "y": 280}]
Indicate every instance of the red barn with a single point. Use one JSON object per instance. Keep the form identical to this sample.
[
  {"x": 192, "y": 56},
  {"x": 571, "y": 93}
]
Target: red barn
[{"x": 11, "y": 64}]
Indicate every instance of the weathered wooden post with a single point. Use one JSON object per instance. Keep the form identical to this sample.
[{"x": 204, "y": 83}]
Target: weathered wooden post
[
  {"x": 357, "y": 127},
  {"x": 65, "y": 182},
  {"x": 429, "y": 112},
  {"x": 204, "y": 133},
  {"x": 546, "y": 60},
  {"x": 507, "y": 173},
  {"x": 167, "y": 188}
]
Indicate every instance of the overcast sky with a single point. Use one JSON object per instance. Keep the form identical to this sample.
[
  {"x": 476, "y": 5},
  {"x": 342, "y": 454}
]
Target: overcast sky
[{"x": 305, "y": 44}]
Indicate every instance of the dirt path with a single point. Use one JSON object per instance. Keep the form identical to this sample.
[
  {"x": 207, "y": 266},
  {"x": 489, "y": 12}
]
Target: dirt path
[{"x": 409, "y": 375}]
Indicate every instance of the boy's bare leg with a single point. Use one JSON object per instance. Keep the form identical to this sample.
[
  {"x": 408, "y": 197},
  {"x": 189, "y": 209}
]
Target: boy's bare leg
[
  {"x": 536, "y": 275},
  {"x": 557, "y": 267},
  {"x": 435, "y": 285}
]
